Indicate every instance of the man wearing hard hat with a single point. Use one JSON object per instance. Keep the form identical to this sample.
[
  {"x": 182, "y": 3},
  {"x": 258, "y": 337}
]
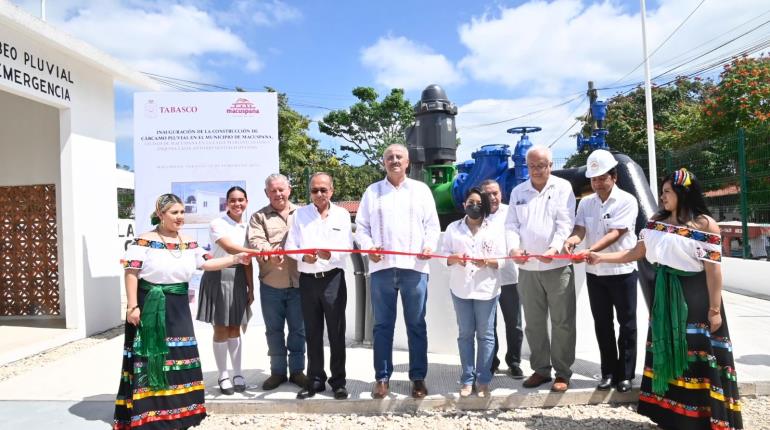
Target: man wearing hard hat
[{"x": 606, "y": 221}]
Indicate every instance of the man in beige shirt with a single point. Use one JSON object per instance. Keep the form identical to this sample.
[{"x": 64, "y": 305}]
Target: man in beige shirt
[{"x": 278, "y": 286}]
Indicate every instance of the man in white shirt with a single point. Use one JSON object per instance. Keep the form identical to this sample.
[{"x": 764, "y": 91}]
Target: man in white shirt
[
  {"x": 322, "y": 285},
  {"x": 398, "y": 214},
  {"x": 606, "y": 221},
  {"x": 540, "y": 218},
  {"x": 510, "y": 306}
]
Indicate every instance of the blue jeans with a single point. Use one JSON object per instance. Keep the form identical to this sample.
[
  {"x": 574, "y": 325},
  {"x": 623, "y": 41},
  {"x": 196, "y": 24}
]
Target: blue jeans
[
  {"x": 475, "y": 319},
  {"x": 280, "y": 307},
  {"x": 413, "y": 286}
]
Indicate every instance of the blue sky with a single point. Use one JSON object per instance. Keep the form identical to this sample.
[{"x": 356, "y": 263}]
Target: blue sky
[{"x": 497, "y": 60}]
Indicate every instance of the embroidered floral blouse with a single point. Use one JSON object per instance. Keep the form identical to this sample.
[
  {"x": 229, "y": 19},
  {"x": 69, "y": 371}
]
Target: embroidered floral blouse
[
  {"x": 164, "y": 264},
  {"x": 680, "y": 247}
]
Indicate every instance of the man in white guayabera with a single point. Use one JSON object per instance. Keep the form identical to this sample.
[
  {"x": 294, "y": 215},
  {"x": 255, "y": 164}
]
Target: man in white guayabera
[
  {"x": 540, "y": 218},
  {"x": 398, "y": 214}
]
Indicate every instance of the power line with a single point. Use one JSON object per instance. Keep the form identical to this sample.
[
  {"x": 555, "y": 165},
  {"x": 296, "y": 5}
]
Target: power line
[
  {"x": 577, "y": 120},
  {"x": 714, "y": 49},
  {"x": 708, "y": 66},
  {"x": 193, "y": 83},
  {"x": 523, "y": 115},
  {"x": 661, "y": 44},
  {"x": 692, "y": 58},
  {"x": 203, "y": 86},
  {"x": 496, "y": 109},
  {"x": 689, "y": 51},
  {"x": 634, "y": 85}
]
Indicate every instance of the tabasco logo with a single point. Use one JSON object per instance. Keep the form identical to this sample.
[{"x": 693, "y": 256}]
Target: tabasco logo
[{"x": 243, "y": 107}]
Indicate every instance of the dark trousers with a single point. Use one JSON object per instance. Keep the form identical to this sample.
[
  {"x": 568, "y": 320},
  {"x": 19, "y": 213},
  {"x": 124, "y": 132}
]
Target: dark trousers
[
  {"x": 618, "y": 292},
  {"x": 324, "y": 299},
  {"x": 510, "y": 306}
]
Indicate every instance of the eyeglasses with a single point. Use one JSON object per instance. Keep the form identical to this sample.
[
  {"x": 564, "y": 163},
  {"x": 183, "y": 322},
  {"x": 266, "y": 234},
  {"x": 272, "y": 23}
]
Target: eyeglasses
[
  {"x": 319, "y": 190},
  {"x": 539, "y": 166}
]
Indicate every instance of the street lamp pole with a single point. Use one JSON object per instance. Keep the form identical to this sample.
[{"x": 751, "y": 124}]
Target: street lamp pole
[{"x": 653, "y": 175}]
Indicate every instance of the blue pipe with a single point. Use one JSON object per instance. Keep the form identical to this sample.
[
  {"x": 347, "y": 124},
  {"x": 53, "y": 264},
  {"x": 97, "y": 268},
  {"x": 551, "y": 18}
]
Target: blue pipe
[{"x": 490, "y": 161}]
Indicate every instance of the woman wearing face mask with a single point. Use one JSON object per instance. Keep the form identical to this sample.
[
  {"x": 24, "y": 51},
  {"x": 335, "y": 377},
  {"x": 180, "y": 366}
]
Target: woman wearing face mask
[
  {"x": 473, "y": 246},
  {"x": 161, "y": 384},
  {"x": 225, "y": 295}
]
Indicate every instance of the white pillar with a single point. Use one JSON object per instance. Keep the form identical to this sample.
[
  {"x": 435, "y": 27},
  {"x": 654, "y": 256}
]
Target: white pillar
[{"x": 653, "y": 175}]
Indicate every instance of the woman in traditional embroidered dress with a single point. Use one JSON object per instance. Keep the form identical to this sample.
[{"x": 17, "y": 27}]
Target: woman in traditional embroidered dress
[
  {"x": 161, "y": 385},
  {"x": 689, "y": 374},
  {"x": 226, "y": 295},
  {"x": 472, "y": 244}
]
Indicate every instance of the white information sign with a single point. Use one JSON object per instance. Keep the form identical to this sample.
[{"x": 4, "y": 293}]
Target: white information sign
[{"x": 198, "y": 145}]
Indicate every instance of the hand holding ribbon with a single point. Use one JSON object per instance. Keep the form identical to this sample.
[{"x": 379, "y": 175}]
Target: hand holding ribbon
[{"x": 376, "y": 254}]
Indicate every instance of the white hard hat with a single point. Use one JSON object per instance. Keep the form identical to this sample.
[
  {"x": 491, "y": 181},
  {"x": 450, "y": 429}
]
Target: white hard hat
[{"x": 599, "y": 163}]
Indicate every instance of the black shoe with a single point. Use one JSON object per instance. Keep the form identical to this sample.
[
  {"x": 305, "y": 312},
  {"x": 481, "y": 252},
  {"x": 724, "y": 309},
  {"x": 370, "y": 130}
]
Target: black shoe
[
  {"x": 239, "y": 383},
  {"x": 226, "y": 391},
  {"x": 516, "y": 372},
  {"x": 273, "y": 382},
  {"x": 311, "y": 389},
  {"x": 419, "y": 390},
  {"x": 305, "y": 393},
  {"x": 624, "y": 386},
  {"x": 299, "y": 379},
  {"x": 495, "y": 365},
  {"x": 605, "y": 383},
  {"x": 340, "y": 393}
]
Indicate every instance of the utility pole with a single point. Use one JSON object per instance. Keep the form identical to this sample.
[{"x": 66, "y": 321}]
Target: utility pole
[
  {"x": 653, "y": 174},
  {"x": 592, "y": 96},
  {"x": 42, "y": 10}
]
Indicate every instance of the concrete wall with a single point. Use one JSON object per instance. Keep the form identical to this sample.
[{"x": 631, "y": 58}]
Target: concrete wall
[
  {"x": 29, "y": 142},
  {"x": 78, "y": 155},
  {"x": 749, "y": 277},
  {"x": 440, "y": 317},
  {"x": 739, "y": 276}
]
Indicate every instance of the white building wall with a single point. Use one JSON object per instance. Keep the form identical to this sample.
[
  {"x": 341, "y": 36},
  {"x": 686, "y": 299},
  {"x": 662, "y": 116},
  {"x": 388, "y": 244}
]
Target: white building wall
[
  {"x": 207, "y": 203},
  {"x": 82, "y": 164},
  {"x": 29, "y": 148}
]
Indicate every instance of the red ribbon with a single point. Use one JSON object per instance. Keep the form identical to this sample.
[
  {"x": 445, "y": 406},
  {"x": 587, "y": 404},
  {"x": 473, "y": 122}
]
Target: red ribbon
[{"x": 313, "y": 251}]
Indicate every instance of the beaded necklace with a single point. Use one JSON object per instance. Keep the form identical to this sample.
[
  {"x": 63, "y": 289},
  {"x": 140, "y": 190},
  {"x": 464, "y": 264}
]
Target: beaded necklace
[{"x": 179, "y": 251}]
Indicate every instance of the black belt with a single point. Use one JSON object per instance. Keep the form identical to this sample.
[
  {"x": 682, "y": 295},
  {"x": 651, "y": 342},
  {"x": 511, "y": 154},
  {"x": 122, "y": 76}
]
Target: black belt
[{"x": 321, "y": 274}]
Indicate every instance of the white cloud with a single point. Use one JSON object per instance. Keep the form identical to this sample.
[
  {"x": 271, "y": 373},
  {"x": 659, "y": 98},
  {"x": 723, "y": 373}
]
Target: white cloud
[
  {"x": 554, "y": 122},
  {"x": 151, "y": 36},
  {"x": 274, "y": 12},
  {"x": 124, "y": 125},
  {"x": 543, "y": 47},
  {"x": 398, "y": 62}
]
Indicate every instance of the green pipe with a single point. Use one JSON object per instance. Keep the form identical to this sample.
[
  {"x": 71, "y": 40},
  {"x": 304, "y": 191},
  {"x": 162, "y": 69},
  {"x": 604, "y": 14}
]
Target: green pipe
[{"x": 440, "y": 178}]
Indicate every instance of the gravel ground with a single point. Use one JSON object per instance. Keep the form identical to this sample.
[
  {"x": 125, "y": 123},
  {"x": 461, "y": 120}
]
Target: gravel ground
[
  {"x": 756, "y": 415},
  {"x": 756, "y": 410}
]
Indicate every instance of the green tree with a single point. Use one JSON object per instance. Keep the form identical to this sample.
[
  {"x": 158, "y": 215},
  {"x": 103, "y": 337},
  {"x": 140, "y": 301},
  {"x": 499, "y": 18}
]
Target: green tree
[
  {"x": 370, "y": 125},
  {"x": 677, "y": 115},
  {"x": 300, "y": 155},
  {"x": 742, "y": 98},
  {"x": 350, "y": 182}
]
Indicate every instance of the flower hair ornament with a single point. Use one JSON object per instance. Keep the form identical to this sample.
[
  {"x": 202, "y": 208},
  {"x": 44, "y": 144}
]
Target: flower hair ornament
[{"x": 682, "y": 178}]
